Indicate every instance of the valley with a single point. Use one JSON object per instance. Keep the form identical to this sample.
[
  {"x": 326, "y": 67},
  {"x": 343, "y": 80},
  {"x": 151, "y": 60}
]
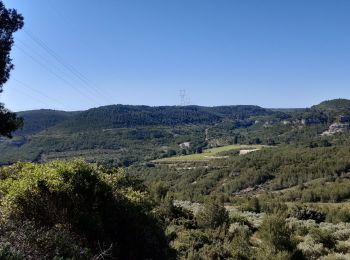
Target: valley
[{"x": 223, "y": 181}]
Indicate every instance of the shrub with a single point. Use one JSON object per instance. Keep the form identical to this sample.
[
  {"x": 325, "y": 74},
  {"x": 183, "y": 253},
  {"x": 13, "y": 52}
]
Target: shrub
[
  {"x": 240, "y": 247},
  {"x": 70, "y": 204},
  {"x": 311, "y": 248},
  {"x": 278, "y": 242},
  {"x": 305, "y": 213},
  {"x": 253, "y": 204},
  {"x": 323, "y": 236},
  {"x": 212, "y": 215},
  {"x": 336, "y": 257}
]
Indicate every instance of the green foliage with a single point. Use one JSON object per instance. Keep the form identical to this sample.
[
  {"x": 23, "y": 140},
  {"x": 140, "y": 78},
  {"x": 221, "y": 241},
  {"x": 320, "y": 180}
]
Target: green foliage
[
  {"x": 253, "y": 204},
  {"x": 213, "y": 215},
  {"x": 272, "y": 205},
  {"x": 126, "y": 116},
  {"x": 271, "y": 169},
  {"x": 36, "y": 121},
  {"x": 10, "y": 22},
  {"x": 276, "y": 235},
  {"x": 338, "y": 106},
  {"x": 305, "y": 213},
  {"x": 75, "y": 204},
  {"x": 124, "y": 135},
  {"x": 337, "y": 213},
  {"x": 158, "y": 191},
  {"x": 7, "y": 253},
  {"x": 240, "y": 246},
  {"x": 9, "y": 122},
  {"x": 190, "y": 239},
  {"x": 334, "y": 190},
  {"x": 324, "y": 237},
  {"x": 211, "y": 153},
  {"x": 82, "y": 211},
  {"x": 219, "y": 243}
]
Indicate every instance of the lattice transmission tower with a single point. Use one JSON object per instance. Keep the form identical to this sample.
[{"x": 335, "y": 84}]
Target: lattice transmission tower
[{"x": 182, "y": 97}]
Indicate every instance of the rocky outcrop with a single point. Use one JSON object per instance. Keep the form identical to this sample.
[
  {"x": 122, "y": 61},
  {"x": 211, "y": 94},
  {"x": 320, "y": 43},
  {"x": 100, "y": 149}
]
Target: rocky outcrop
[
  {"x": 185, "y": 145},
  {"x": 310, "y": 121},
  {"x": 336, "y": 128}
]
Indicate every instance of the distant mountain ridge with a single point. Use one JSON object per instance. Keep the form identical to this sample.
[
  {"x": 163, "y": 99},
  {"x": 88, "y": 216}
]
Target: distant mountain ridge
[
  {"x": 116, "y": 116},
  {"x": 130, "y": 115},
  {"x": 124, "y": 134}
]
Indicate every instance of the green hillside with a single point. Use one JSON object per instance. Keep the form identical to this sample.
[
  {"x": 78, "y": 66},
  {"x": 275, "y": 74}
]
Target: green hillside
[
  {"x": 38, "y": 120},
  {"x": 336, "y": 105},
  {"x": 118, "y": 116},
  {"x": 124, "y": 134}
]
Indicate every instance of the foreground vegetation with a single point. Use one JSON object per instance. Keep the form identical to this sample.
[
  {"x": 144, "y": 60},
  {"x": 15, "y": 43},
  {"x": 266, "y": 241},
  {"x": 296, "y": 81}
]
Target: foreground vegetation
[{"x": 75, "y": 210}]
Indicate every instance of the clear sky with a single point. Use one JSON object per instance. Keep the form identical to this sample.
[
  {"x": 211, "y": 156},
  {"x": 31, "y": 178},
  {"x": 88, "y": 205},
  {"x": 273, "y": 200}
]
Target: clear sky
[{"x": 78, "y": 54}]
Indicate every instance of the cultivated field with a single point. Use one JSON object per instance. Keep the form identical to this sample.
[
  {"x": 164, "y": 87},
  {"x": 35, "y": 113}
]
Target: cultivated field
[{"x": 213, "y": 153}]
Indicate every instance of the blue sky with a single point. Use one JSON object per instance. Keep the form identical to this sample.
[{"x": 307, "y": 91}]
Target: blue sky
[{"x": 292, "y": 53}]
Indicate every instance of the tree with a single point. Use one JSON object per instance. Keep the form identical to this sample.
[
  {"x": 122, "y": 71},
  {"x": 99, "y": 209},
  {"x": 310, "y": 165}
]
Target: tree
[
  {"x": 9, "y": 122},
  {"x": 212, "y": 215},
  {"x": 10, "y": 22},
  {"x": 274, "y": 232},
  {"x": 253, "y": 204},
  {"x": 278, "y": 242}
]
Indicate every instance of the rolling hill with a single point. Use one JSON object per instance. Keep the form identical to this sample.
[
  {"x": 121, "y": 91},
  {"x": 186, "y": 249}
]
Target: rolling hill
[{"x": 125, "y": 134}]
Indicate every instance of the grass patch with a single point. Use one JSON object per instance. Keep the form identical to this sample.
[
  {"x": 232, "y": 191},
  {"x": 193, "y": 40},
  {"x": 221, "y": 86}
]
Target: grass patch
[{"x": 212, "y": 153}]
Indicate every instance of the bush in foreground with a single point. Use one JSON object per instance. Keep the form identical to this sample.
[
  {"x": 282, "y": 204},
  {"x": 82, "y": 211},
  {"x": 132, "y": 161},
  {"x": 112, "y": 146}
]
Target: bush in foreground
[{"x": 75, "y": 210}]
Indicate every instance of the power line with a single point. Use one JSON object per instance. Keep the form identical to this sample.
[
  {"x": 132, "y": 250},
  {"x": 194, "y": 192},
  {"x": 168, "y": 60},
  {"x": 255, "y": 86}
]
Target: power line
[
  {"x": 66, "y": 65},
  {"x": 55, "y": 74},
  {"x": 69, "y": 22},
  {"x": 39, "y": 92},
  {"x": 31, "y": 96},
  {"x": 52, "y": 72},
  {"x": 47, "y": 61},
  {"x": 43, "y": 58}
]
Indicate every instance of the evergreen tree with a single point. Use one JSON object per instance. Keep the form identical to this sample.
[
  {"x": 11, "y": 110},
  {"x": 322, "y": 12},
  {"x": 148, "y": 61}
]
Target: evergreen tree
[
  {"x": 213, "y": 215},
  {"x": 10, "y": 22}
]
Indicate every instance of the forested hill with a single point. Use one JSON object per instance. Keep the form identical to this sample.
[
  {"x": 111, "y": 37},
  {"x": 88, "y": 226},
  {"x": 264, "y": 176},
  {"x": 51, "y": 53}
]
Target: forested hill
[
  {"x": 116, "y": 116},
  {"x": 124, "y": 134},
  {"x": 337, "y": 105},
  {"x": 38, "y": 120}
]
